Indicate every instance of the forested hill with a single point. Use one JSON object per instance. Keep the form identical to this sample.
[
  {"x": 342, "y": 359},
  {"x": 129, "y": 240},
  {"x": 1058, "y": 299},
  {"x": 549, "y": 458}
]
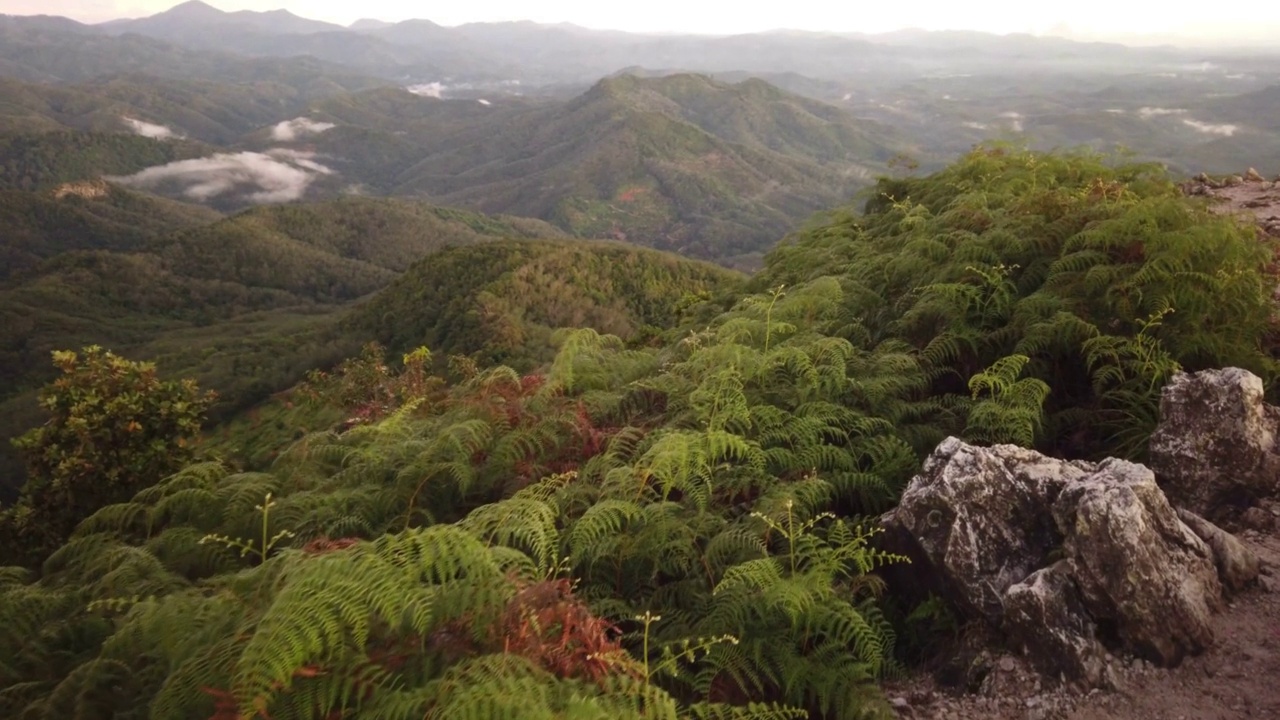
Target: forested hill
[
  {"x": 681, "y": 163},
  {"x": 677, "y": 526},
  {"x": 684, "y": 163},
  {"x": 503, "y": 302},
  {"x": 248, "y": 303}
]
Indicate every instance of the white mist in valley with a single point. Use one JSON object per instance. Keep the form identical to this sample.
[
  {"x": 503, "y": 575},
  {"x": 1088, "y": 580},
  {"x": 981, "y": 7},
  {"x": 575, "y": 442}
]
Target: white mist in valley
[
  {"x": 151, "y": 130},
  {"x": 290, "y": 130},
  {"x": 277, "y": 175}
]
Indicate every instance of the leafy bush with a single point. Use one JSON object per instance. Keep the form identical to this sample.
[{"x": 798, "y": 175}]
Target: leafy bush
[
  {"x": 115, "y": 428},
  {"x": 1102, "y": 275}
]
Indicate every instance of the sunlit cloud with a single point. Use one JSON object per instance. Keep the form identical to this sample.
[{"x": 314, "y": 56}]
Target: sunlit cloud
[
  {"x": 151, "y": 130},
  {"x": 291, "y": 130},
  {"x": 277, "y": 175}
]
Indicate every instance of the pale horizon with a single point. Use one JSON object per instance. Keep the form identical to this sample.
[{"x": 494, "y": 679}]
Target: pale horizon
[{"x": 1083, "y": 20}]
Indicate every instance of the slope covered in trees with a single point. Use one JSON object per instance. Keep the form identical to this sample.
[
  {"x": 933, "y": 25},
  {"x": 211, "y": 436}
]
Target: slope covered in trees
[
  {"x": 85, "y": 216},
  {"x": 501, "y": 303},
  {"x": 42, "y": 160},
  {"x": 681, "y": 163},
  {"x": 321, "y": 255},
  {"x": 657, "y": 530},
  {"x": 205, "y": 111},
  {"x": 246, "y": 304}
]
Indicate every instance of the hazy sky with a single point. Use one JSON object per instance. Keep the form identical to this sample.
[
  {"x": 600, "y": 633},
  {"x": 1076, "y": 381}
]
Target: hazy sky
[{"x": 1087, "y": 17}]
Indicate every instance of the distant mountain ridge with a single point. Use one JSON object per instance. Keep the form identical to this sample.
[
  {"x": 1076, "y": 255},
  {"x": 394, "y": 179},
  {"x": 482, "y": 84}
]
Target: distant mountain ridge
[
  {"x": 422, "y": 50},
  {"x": 188, "y": 15}
]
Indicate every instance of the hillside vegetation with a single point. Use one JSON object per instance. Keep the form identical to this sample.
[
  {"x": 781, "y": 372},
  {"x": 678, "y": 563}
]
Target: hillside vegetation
[
  {"x": 85, "y": 216},
  {"x": 245, "y": 304},
  {"x": 501, "y": 302},
  {"x": 205, "y": 111},
  {"x": 681, "y": 163},
  {"x": 269, "y": 258},
  {"x": 661, "y": 530},
  {"x": 39, "y": 161}
]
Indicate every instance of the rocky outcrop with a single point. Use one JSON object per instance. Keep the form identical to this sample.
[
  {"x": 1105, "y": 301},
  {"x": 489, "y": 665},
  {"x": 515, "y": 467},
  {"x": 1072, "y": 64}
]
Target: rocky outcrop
[
  {"x": 1215, "y": 450},
  {"x": 1238, "y": 566},
  {"x": 1247, "y": 194},
  {"x": 1069, "y": 559},
  {"x": 88, "y": 189},
  {"x": 1138, "y": 566},
  {"x": 980, "y": 517},
  {"x": 1046, "y": 616}
]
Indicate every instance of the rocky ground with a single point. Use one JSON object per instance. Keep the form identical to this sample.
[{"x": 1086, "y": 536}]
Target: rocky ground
[
  {"x": 1249, "y": 193},
  {"x": 1238, "y": 678}
]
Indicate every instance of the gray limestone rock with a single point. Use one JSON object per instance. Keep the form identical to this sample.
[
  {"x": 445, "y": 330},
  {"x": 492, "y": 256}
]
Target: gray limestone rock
[
  {"x": 1136, "y": 564},
  {"x": 1045, "y": 615},
  {"x": 1238, "y": 566},
  {"x": 1066, "y": 558},
  {"x": 1215, "y": 448}
]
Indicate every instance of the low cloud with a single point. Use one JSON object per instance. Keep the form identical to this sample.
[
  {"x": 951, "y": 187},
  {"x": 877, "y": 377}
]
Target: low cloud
[
  {"x": 975, "y": 125},
  {"x": 290, "y": 130},
  {"x": 146, "y": 129},
  {"x": 274, "y": 176},
  {"x": 1212, "y": 128},
  {"x": 1150, "y": 112},
  {"x": 1015, "y": 120},
  {"x": 431, "y": 90}
]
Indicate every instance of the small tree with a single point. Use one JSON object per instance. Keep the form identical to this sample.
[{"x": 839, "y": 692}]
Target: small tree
[{"x": 115, "y": 428}]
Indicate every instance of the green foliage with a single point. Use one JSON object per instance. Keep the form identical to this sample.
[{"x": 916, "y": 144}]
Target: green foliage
[
  {"x": 673, "y": 524},
  {"x": 1101, "y": 274},
  {"x": 38, "y": 161},
  {"x": 1010, "y": 410},
  {"x": 503, "y": 302},
  {"x": 85, "y": 216},
  {"x": 246, "y": 304},
  {"x": 685, "y": 163},
  {"x": 115, "y": 428},
  {"x": 408, "y": 566}
]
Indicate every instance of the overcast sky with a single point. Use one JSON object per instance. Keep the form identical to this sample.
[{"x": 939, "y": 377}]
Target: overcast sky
[{"x": 1242, "y": 19}]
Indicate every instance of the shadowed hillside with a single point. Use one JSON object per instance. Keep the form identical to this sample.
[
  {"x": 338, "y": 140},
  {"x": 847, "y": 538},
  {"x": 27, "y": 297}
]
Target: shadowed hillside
[
  {"x": 680, "y": 163},
  {"x": 502, "y": 302},
  {"x": 318, "y": 255},
  {"x": 34, "y": 161},
  {"x": 85, "y": 216}
]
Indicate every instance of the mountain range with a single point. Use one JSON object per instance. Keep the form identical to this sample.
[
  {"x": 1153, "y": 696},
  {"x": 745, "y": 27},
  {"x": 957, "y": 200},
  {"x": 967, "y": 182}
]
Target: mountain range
[
  {"x": 685, "y": 162},
  {"x": 540, "y": 54},
  {"x": 225, "y": 190}
]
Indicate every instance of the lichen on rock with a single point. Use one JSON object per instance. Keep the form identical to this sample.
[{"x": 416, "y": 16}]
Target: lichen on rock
[
  {"x": 1069, "y": 559},
  {"x": 1215, "y": 450}
]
